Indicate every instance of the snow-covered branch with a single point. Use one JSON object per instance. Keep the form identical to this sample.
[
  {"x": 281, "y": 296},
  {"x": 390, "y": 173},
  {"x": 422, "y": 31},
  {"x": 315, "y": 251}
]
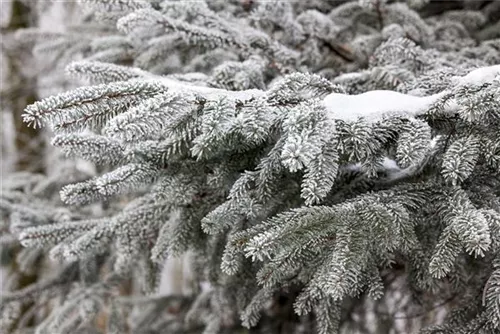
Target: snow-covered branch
[{"x": 372, "y": 105}]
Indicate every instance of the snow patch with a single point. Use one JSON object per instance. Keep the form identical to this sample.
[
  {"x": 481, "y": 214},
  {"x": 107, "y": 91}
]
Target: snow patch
[{"x": 374, "y": 105}]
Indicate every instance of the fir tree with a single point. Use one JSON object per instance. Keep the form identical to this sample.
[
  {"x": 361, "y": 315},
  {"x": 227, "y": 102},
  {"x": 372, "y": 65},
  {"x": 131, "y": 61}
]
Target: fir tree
[{"x": 313, "y": 162}]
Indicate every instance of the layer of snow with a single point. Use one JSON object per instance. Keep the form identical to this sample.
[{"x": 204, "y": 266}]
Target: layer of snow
[
  {"x": 211, "y": 92},
  {"x": 387, "y": 165},
  {"x": 376, "y": 104},
  {"x": 480, "y": 76}
]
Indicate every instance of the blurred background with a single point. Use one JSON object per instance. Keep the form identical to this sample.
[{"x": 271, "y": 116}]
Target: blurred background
[{"x": 30, "y": 72}]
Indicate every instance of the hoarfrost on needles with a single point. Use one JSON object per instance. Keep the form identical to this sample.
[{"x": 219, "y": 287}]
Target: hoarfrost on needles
[{"x": 234, "y": 161}]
